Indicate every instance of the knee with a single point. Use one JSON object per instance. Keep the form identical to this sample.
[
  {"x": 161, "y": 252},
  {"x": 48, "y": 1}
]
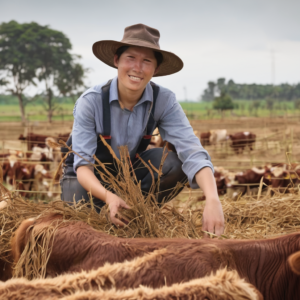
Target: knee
[{"x": 172, "y": 165}]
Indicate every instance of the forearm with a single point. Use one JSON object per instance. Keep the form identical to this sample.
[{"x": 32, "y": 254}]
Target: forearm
[
  {"x": 206, "y": 181},
  {"x": 90, "y": 183}
]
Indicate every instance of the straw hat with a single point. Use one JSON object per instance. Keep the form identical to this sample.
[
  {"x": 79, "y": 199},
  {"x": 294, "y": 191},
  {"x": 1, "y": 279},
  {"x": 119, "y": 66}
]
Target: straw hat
[{"x": 139, "y": 35}]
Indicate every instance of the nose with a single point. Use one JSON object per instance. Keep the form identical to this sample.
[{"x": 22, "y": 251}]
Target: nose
[{"x": 137, "y": 67}]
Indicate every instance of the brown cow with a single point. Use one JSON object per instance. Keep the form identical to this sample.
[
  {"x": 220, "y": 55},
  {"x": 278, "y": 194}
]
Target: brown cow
[
  {"x": 241, "y": 140},
  {"x": 253, "y": 175},
  {"x": 204, "y": 138},
  {"x": 262, "y": 263},
  {"x": 100, "y": 284},
  {"x": 282, "y": 177}
]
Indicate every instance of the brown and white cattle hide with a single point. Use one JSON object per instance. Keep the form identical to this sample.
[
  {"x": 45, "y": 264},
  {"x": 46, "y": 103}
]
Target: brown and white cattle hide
[
  {"x": 204, "y": 138},
  {"x": 262, "y": 263},
  {"x": 283, "y": 177},
  {"x": 157, "y": 142},
  {"x": 241, "y": 140},
  {"x": 218, "y": 136}
]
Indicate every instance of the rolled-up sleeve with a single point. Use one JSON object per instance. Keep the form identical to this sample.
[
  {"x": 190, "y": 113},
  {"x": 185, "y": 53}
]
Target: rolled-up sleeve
[
  {"x": 175, "y": 128},
  {"x": 84, "y": 137}
]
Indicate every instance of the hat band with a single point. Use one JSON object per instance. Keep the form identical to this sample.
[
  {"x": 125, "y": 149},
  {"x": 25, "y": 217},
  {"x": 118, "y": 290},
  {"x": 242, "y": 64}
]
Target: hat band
[{"x": 140, "y": 42}]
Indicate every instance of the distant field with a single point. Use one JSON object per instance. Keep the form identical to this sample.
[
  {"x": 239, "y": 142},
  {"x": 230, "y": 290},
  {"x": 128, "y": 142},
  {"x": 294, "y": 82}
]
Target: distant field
[{"x": 194, "y": 110}]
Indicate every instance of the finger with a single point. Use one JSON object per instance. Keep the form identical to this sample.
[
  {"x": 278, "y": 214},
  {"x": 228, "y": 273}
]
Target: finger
[
  {"x": 117, "y": 222},
  {"x": 124, "y": 205},
  {"x": 219, "y": 229}
]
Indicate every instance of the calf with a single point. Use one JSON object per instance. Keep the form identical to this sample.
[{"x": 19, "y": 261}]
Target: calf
[
  {"x": 77, "y": 246},
  {"x": 241, "y": 140}
]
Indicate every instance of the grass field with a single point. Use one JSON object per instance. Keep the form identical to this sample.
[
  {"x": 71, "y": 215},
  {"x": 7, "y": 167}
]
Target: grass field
[{"x": 194, "y": 110}]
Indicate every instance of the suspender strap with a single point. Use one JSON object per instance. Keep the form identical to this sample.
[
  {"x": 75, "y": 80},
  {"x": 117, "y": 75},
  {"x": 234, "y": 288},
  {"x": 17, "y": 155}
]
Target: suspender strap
[
  {"x": 150, "y": 126},
  {"x": 151, "y": 120},
  {"x": 106, "y": 110}
]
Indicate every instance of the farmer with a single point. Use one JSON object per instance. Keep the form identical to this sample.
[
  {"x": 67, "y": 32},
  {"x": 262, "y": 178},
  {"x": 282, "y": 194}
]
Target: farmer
[{"x": 125, "y": 111}]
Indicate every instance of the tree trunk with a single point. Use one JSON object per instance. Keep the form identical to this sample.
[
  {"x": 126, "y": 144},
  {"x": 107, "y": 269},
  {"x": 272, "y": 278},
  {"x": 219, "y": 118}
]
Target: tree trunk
[
  {"x": 22, "y": 108},
  {"x": 50, "y": 115}
]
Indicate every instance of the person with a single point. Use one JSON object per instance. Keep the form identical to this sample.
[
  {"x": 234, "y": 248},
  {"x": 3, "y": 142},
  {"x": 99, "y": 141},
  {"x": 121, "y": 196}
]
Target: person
[{"x": 125, "y": 111}]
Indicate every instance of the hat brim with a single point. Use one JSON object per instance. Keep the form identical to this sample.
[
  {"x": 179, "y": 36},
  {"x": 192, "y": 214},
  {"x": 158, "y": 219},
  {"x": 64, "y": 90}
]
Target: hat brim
[{"x": 105, "y": 51}]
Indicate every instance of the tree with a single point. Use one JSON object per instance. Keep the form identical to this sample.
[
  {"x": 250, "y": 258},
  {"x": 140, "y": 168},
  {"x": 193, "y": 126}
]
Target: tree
[
  {"x": 224, "y": 102},
  {"x": 71, "y": 80},
  {"x": 58, "y": 68},
  {"x": 31, "y": 52},
  {"x": 17, "y": 60}
]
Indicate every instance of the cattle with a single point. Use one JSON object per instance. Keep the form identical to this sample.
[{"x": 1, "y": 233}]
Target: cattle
[
  {"x": 25, "y": 176},
  {"x": 294, "y": 262},
  {"x": 157, "y": 142},
  {"x": 241, "y": 140},
  {"x": 40, "y": 140},
  {"x": 204, "y": 138},
  {"x": 218, "y": 136},
  {"x": 253, "y": 175},
  {"x": 282, "y": 177},
  {"x": 213, "y": 137},
  {"x": 77, "y": 246},
  {"x": 100, "y": 284}
]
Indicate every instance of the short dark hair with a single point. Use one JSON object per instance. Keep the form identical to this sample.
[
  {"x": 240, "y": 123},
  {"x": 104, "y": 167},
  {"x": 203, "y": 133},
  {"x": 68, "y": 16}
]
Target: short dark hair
[{"x": 158, "y": 56}]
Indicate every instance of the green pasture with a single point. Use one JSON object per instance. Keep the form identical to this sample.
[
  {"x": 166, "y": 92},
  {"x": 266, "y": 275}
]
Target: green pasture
[{"x": 194, "y": 110}]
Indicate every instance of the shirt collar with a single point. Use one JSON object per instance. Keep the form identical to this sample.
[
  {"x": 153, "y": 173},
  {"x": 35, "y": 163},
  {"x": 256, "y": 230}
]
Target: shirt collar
[{"x": 114, "y": 96}]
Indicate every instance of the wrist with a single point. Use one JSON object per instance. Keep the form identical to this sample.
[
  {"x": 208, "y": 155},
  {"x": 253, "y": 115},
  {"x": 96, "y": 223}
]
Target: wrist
[{"x": 212, "y": 200}]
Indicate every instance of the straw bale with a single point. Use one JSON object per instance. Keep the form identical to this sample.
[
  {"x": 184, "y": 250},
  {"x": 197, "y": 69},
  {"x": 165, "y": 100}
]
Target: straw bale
[{"x": 222, "y": 285}]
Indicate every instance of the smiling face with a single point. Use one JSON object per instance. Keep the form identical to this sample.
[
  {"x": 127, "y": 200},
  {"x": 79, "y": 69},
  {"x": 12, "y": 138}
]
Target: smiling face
[{"x": 136, "y": 66}]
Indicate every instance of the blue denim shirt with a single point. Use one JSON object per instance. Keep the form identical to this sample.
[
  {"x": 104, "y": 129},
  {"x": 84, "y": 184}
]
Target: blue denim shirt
[{"x": 127, "y": 127}]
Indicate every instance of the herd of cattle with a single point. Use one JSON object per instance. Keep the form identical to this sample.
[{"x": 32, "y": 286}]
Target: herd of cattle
[
  {"x": 271, "y": 266},
  {"x": 30, "y": 171}
]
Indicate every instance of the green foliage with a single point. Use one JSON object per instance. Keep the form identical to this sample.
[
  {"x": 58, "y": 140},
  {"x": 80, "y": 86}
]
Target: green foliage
[
  {"x": 224, "y": 102},
  {"x": 297, "y": 104},
  {"x": 251, "y": 91},
  {"x": 31, "y": 52}
]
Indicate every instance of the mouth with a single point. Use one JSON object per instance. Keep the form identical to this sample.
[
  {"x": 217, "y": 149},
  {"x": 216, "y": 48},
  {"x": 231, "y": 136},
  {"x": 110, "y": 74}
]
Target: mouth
[{"x": 135, "y": 78}]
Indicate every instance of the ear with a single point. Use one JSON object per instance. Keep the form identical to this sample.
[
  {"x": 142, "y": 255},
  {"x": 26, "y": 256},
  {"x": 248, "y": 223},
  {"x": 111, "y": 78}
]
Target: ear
[
  {"x": 294, "y": 262},
  {"x": 116, "y": 61}
]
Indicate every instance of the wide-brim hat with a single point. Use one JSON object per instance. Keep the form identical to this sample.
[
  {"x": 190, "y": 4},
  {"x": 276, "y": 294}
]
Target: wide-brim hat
[{"x": 138, "y": 35}]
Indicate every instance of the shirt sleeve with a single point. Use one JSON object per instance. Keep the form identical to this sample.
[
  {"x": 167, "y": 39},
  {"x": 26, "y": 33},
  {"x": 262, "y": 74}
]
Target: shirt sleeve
[
  {"x": 84, "y": 136},
  {"x": 175, "y": 128}
]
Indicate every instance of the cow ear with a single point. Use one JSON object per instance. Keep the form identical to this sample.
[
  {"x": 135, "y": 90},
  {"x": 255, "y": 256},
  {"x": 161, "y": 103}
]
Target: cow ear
[{"x": 294, "y": 262}]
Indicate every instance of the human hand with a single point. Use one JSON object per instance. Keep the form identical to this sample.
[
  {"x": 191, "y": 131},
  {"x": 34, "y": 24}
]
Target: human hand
[
  {"x": 115, "y": 203},
  {"x": 213, "y": 217}
]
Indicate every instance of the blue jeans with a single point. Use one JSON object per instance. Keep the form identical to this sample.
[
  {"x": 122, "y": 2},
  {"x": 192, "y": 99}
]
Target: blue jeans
[{"x": 172, "y": 173}]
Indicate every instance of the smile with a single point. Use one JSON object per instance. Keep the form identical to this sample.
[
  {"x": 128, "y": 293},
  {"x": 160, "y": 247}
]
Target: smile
[{"x": 137, "y": 79}]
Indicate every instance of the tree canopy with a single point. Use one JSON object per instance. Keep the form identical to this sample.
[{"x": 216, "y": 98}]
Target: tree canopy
[
  {"x": 30, "y": 53},
  {"x": 251, "y": 91},
  {"x": 223, "y": 102}
]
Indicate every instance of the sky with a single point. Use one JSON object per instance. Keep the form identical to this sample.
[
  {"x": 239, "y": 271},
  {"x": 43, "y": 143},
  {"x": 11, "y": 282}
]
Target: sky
[{"x": 234, "y": 39}]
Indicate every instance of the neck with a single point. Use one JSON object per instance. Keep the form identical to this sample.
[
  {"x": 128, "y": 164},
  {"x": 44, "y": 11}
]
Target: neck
[{"x": 128, "y": 98}]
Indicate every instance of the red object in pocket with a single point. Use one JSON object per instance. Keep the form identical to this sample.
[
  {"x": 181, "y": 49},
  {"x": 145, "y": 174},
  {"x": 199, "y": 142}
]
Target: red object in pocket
[{"x": 107, "y": 137}]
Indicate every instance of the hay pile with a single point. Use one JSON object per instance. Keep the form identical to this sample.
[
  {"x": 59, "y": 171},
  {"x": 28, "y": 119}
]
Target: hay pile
[{"x": 247, "y": 218}]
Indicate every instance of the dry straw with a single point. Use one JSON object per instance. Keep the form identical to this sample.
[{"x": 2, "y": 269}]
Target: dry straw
[{"x": 247, "y": 218}]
